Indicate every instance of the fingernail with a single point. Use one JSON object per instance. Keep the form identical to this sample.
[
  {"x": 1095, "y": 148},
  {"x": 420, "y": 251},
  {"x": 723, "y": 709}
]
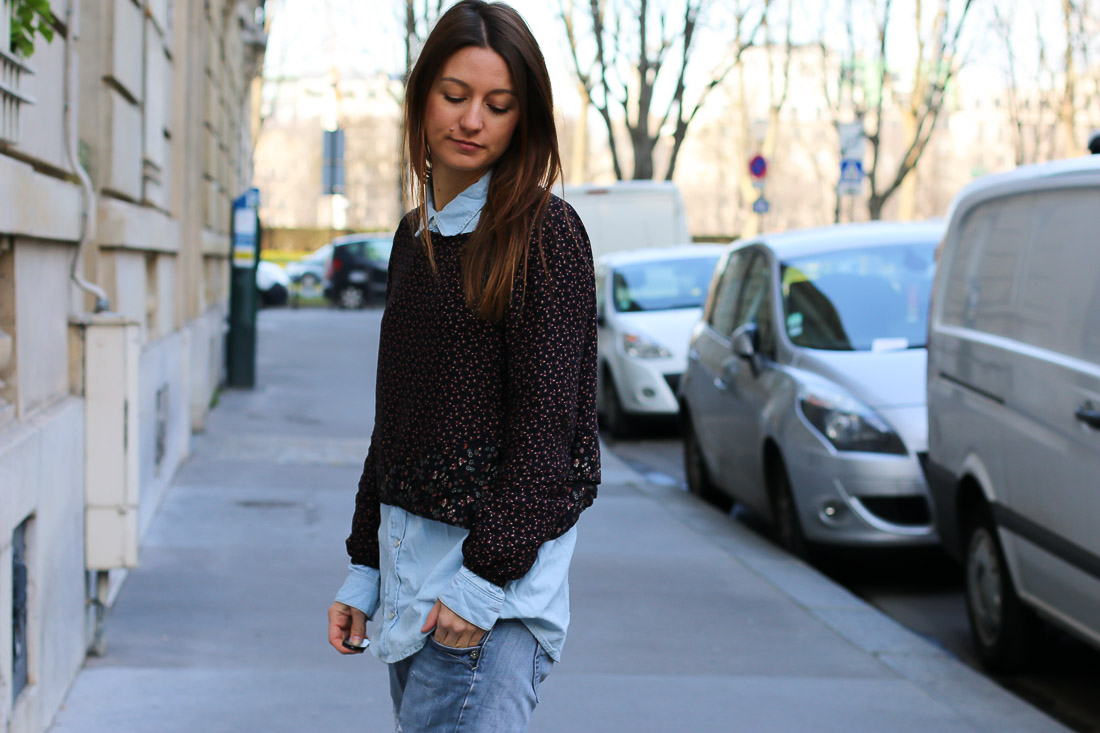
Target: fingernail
[{"x": 357, "y": 640}]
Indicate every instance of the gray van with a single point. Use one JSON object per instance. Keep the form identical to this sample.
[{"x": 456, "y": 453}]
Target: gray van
[{"x": 1014, "y": 403}]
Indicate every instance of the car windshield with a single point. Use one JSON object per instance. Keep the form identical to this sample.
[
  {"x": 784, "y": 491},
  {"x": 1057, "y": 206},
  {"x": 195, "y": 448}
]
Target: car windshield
[
  {"x": 662, "y": 284},
  {"x": 872, "y": 299},
  {"x": 379, "y": 249}
]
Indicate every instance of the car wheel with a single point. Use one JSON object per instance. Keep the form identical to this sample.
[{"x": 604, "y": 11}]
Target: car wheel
[
  {"x": 351, "y": 298},
  {"x": 787, "y": 525},
  {"x": 617, "y": 420},
  {"x": 310, "y": 281},
  {"x": 695, "y": 470},
  {"x": 1003, "y": 628}
]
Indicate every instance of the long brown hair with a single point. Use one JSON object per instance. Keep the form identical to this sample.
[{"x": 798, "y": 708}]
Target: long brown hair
[{"x": 519, "y": 191}]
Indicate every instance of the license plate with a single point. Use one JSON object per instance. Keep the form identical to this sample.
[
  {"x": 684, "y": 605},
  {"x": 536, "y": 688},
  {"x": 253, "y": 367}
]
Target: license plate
[{"x": 357, "y": 277}]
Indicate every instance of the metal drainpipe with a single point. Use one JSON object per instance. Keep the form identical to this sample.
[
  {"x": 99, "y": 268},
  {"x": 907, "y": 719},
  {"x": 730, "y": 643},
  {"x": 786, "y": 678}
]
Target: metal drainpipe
[{"x": 87, "y": 206}]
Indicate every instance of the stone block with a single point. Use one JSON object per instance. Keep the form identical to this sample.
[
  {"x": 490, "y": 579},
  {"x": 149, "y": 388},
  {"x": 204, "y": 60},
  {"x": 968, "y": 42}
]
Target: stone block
[
  {"x": 42, "y": 130},
  {"x": 125, "y": 172},
  {"x": 158, "y": 88},
  {"x": 41, "y": 323},
  {"x": 129, "y": 298},
  {"x": 127, "y": 47}
]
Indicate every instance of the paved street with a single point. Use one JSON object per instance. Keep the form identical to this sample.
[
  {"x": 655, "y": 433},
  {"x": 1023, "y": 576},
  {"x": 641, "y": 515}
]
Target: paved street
[{"x": 682, "y": 619}]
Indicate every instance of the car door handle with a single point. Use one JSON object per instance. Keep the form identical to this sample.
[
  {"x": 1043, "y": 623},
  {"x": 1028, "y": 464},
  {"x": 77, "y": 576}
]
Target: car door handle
[
  {"x": 719, "y": 383},
  {"x": 1089, "y": 415}
]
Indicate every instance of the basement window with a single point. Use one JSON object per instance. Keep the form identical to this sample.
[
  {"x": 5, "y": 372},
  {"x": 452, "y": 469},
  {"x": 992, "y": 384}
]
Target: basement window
[{"x": 19, "y": 609}]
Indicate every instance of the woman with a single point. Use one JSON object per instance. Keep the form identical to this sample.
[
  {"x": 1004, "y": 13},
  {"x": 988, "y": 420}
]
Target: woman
[{"x": 484, "y": 451}]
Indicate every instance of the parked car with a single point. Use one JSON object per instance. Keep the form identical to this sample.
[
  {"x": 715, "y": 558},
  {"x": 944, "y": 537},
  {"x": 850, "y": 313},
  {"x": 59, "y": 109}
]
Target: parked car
[
  {"x": 310, "y": 270},
  {"x": 1014, "y": 403},
  {"x": 804, "y": 396},
  {"x": 357, "y": 272},
  {"x": 647, "y": 302},
  {"x": 272, "y": 283}
]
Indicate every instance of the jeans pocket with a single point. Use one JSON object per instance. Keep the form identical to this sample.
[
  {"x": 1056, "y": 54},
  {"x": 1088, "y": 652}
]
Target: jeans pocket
[{"x": 468, "y": 654}]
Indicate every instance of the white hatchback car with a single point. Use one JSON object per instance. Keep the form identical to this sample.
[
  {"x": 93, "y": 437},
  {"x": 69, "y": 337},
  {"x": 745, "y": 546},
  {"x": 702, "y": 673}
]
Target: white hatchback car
[{"x": 648, "y": 301}]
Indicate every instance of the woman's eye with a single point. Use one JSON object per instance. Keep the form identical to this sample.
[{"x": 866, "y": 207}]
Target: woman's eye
[
  {"x": 499, "y": 110},
  {"x": 452, "y": 100}
]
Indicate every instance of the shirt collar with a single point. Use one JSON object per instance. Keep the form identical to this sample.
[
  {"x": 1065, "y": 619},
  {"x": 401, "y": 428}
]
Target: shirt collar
[{"x": 462, "y": 213}]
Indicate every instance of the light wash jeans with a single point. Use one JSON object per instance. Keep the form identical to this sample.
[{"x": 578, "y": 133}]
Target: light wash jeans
[{"x": 489, "y": 688}]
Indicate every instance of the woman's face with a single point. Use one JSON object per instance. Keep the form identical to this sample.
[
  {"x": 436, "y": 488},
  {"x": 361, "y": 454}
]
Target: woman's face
[{"x": 472, "y": 112}]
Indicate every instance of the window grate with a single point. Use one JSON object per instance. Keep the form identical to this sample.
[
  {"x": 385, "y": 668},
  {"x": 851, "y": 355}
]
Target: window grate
[{"x": 12, "y": 69}]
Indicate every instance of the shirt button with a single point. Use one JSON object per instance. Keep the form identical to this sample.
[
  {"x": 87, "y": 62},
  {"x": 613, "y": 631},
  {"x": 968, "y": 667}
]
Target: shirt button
[
  {"x": 390, "y": 615},
  {"x": 397, "y": 543}
]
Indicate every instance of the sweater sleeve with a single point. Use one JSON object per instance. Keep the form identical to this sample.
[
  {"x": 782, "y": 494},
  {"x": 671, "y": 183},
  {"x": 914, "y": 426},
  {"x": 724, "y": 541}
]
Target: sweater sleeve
[
  {"x": 362, "y": 543},
  {"x": 549, "y": 377}
]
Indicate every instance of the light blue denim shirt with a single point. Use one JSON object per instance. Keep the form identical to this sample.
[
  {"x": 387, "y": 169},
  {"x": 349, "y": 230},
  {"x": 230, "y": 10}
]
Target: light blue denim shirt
[{"x": 421, "y": 559}]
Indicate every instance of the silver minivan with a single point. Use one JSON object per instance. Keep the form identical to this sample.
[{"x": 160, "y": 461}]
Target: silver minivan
[{"x": 1014, "y": 403}]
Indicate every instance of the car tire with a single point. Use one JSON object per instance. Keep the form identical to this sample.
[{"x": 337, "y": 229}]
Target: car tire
[
  {"x": 617, "y": 420},
  {"x": 351, "y": 298},
  {"x": 695, "y": 471},
  {"x": 1002, "y": 627},
  {"x": 785, "y": 520}
]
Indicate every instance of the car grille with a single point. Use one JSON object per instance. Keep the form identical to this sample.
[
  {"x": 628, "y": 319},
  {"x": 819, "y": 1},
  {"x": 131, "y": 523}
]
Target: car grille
[
  {"x": 904, "y": 510},
  {"x": 673, "y": 382}
]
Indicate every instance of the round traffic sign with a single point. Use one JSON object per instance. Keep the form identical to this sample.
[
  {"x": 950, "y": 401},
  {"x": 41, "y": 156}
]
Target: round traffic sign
[{"x": 758, "y": 167}]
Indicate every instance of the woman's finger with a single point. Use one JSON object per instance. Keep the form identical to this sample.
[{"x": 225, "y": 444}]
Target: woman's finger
[
  {"x": 358, "y": 626},
  {"x": 433, "y": 615}
]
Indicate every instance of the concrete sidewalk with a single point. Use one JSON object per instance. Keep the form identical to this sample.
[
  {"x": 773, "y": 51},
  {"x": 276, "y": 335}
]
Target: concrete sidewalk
[{"x": 682, "y": 618}]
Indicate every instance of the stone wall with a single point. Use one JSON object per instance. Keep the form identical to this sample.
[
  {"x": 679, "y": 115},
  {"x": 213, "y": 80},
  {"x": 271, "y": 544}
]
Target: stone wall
[{"x": 163, "y": 118}]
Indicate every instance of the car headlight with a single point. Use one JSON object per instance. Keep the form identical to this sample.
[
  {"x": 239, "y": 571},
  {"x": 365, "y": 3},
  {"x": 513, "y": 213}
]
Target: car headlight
[
  {"x": 642, "y": 348},
  {"x": 849, "y": 424}
]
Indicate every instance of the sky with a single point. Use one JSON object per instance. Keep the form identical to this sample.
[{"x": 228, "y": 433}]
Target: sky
[{"x": 365, "y": 36}]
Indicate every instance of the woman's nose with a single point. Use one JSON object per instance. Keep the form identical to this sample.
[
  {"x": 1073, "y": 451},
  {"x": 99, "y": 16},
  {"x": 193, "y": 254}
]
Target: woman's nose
[{"x": 471, "y": 119}]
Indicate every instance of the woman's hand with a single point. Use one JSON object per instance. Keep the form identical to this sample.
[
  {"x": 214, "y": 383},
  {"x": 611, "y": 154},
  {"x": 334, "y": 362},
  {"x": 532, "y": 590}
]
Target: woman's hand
[
  {"x": 451, "y": 629},
  {"x": 345, "y": 622}
]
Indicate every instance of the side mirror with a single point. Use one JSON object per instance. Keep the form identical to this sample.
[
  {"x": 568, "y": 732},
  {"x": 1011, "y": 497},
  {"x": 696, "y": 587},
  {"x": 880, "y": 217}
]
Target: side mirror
[{"x": 746, "y": 341}]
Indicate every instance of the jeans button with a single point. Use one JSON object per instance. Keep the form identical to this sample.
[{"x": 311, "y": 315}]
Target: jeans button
[{"x": 473, "y": 655}]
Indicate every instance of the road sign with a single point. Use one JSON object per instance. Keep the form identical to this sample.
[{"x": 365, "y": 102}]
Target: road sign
[
  {"x": 851, "y": 177},
  {"x": 853, "y": 142},
  {"x": 761, "y": 205},
  {"x": 758, "y": 167}
]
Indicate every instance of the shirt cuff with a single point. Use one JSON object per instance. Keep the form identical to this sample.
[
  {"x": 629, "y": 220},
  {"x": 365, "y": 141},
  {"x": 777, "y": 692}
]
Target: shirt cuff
[
  {"x": 474, "y": 598},
  {"x": 361, "y": 589}
]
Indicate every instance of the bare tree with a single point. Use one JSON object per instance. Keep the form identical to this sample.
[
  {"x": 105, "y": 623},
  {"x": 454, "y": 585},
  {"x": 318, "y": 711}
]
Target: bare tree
[
  {"x": 621, "y": 58},
  {"x": 938, "y": 61}
]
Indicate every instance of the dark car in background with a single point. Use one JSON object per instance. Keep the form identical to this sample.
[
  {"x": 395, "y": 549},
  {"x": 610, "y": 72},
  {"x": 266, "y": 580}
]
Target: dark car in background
[{"x": 357, "y": 271}]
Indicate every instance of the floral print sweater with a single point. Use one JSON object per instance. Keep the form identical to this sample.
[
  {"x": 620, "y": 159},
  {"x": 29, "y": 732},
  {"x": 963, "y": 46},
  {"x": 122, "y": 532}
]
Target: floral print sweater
[{"x": 489, "y": 426}]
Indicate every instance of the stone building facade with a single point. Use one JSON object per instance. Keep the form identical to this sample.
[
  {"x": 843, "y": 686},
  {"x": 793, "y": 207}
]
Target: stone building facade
[{"x": 122, "y": 144}]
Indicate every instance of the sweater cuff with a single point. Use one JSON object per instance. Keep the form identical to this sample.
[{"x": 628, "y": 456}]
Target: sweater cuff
[
  {"x": 360, "y": 589},
  {"x": 474, "y": 598}
]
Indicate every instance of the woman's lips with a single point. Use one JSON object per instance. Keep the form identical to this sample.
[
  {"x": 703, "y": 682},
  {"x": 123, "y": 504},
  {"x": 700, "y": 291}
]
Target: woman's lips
[{"x": 465, "y": 146}]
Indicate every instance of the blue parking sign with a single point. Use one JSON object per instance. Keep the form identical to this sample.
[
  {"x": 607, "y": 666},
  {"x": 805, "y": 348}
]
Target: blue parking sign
[{"x": 761, "y": 206}]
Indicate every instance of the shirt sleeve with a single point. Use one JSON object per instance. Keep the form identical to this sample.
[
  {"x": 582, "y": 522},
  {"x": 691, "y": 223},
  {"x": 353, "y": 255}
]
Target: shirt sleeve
[
  {"x": 550, "y": 372},
  {"x": 474, "y": 598},
  {"x": 361, "y": 589}
]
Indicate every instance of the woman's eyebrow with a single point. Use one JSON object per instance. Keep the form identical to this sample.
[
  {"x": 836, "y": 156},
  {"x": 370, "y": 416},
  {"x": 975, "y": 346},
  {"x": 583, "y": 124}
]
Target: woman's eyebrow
[{"x": 464, "y": 84}]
